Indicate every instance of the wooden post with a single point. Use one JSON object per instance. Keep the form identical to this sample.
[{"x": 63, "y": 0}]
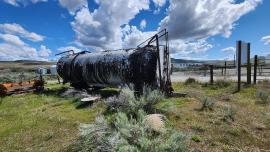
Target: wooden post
[
  {"x": 225, "y": 68},
  {"x": 248, "y": 65},
  {"x": 205, "y": 70},
  {"x": 255, "y": 69},
  {"x": 222, "y": 71},
  {"x": 211, "y": 74},
  {"x": 239, "y": 43}
]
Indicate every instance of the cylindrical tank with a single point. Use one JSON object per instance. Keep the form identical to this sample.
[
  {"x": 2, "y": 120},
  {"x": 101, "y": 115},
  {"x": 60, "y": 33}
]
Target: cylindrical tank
[
  {"x": 53, "y": 70},
  {"x": 110, "y": 68}
]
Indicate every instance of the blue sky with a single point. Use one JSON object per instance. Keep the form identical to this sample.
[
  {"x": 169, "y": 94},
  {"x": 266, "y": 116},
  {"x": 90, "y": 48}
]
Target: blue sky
[{"x": 199, "y": 29}]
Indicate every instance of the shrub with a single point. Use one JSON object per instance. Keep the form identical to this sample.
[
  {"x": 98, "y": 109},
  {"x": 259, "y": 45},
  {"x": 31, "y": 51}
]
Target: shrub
[
  {"x": 130, "y": 128},
  {"x": 228, "y": 113},
  {"x": 222, "y": 83},
  {"x": 128, "y": 103},
  {"x": 207, "y": 103},
  {"x": 6, "y": 79},
  {"x": 263, "y": 96},
  {"x": 190, "y": 81},
  {"x": 129, "y": 134}
]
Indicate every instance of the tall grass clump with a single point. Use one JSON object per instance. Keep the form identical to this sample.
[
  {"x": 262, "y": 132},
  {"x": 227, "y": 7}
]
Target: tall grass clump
[
  {"x": 220, "y": 83},
  {"x": 190, "y": 81},
  {"x": 264, "y": 97},
  {"x": 207, "y": 104},
  {"x": 229, "y": 113}
]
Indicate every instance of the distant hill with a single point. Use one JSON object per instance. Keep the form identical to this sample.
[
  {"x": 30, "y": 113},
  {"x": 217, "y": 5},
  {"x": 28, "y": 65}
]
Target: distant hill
[
  {"x": 214, "y": 62},
  {"x": 24, "y": 64},
  {"x": 173, "y": 60}
]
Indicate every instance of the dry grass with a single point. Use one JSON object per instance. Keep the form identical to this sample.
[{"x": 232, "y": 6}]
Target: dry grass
[
  {"x": 48, "y": 122},
  {"x": 208, "y": 131}
]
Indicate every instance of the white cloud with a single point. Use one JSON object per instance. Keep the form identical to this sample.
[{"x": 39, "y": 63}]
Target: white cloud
[
  {"x": 12, "y": 52},
  {"x": 23, "y": 2},
  {"x": 190, "y": 23},
  {"x": 102, "y": 27},
  {"x": 9, "y": 51},
  {"x": 229, "y": 49},
  {"x": 132, "y": 37},
  {"x": 67, "y": 48},
  {"x": 143, "y": 24},
  {"x": 12, "y": 47},
  {"x": 197, "y": 19},
  {"x": 266, "y": 39},
  {"x": 12, "y": 39},
  {"x": 73, "y": 5},
  {"x": 180, "y": 47},
  {"x": 159, "y": 3},
  {"x": 17, "y": 29},
  {"x": 44, "y": 52}
]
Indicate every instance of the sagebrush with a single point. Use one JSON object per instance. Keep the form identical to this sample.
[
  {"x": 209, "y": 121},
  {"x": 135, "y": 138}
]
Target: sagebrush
[
  {"x": 129, "y": 134},
  {"x": 128, "y": 129}
]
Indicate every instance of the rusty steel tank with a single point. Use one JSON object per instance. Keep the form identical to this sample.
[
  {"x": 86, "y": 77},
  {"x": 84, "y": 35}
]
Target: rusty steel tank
[
  {"x": 138, "y": 67},
  {"x": 110, "y": 68}
]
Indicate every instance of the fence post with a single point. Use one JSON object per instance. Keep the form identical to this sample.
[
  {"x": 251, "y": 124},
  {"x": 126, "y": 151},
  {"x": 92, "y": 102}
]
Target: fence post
[
  {"x": 239, "y": 43},
  {"x": 255, "y": 69},
  {"x": 222, "y": 71},
  {"x": 248, "y": 65},
  {"x": 211, "y": 74},
  {"x": 225, "y": 68}
]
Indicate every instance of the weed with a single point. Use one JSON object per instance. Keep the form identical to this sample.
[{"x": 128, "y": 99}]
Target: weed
[
  {"x": 198, "y": 128},
  {"x": 234, "y": 131},
  {"x": 190, "y": 81},
  {"x": 197, "y": 138},
  {"x": 220, "y": 83},
  {"x": 263, "y": 96},
  {"x": 228, "y": 113},
  {"x": 207, "y": 103}
]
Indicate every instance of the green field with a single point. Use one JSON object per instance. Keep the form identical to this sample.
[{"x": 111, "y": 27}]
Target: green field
[{"x": 48, "y": 122}]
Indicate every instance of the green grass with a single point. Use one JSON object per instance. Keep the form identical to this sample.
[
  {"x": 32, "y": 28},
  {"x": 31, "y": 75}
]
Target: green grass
[
  {"x": 207, "y": 129},
  {"x": 38, "y": 122},
  {"x": 49, "y": 122}
]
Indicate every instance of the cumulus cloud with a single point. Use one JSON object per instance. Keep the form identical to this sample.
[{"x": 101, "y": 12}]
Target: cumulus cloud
[
  {"x": 102, "y": 27},
  {"x": 73, "y": 5},
  {"x": 229, "y": 49},
  {"x": 9, "y": 51},
  {"x": 12, "y": 47},
  {"x": 132, "y": 37},
  {"x": 67, "y": 48},
  {"x": 143, "y": 24},
  {"x": 17, "y": 29},
  {"x": 13, "y": 52},
  {"x": 190, "y": 23},
  {"x": 23, "y": 2},
  {"x": 181, "y": 47},
  {"x": 199, "y": 19},
  {"x": 159, "y": 3},
  {"x": 12, "y": 39},
  {"x": 266, "y": 39},
  {"x": 44, "y": 52}
]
